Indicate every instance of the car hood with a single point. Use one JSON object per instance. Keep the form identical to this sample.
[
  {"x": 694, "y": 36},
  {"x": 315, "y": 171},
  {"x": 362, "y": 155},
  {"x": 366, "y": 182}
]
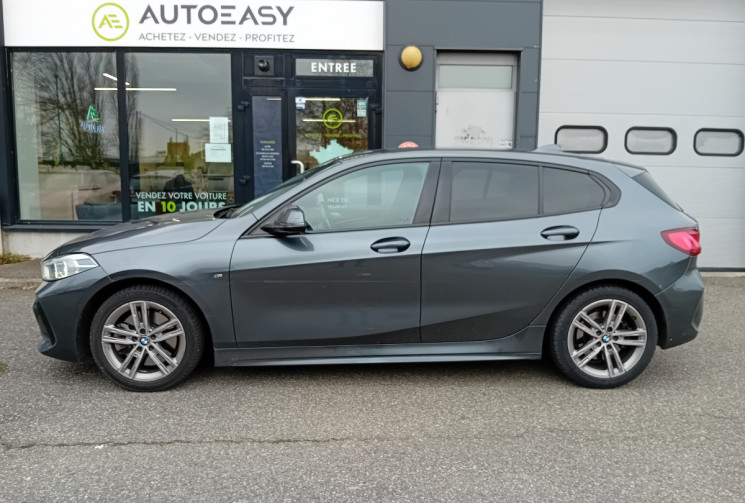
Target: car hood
[{"x": 163, "y": 229}]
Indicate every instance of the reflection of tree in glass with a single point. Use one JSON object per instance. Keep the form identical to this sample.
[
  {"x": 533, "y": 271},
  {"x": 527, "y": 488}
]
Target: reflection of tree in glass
[{"x": 65, "y": 85}]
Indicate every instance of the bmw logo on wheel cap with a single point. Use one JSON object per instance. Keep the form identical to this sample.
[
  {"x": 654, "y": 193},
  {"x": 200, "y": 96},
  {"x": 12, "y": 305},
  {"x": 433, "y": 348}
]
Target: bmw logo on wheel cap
[
  {"x": 606, "y": 338},
  {"x": 144, "y": 341}
]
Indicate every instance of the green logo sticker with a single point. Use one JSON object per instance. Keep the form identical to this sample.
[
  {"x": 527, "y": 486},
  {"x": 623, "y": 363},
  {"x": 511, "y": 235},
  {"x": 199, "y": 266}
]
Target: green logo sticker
[
  {"x": 110, "y": 21},
  {"x": 92, "y": 114},
  {"x": 332, "y": 118}
]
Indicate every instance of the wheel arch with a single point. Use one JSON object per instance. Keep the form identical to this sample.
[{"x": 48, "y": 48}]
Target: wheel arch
[
  {"x": 95, "y": 301},
  {"x": 646, "y": 295}
]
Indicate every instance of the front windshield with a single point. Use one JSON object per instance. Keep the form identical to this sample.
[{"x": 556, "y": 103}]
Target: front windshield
[{"x": 282, "y": 188}]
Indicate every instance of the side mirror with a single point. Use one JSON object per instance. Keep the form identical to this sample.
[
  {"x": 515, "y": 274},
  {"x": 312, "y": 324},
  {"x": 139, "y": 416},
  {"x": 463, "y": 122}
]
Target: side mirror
[{"x": 290, "y": 221}]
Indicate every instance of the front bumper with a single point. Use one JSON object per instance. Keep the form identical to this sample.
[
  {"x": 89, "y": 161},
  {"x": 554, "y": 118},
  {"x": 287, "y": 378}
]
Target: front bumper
[
  {"x": 59, "y": 311},
  {"x": 683, "y": 306}
]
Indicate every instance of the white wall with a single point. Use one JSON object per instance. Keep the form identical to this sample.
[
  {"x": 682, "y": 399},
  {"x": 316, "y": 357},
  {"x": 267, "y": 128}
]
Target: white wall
[
  {"x": 35, "y": 244},
  {"x": 656, "y": 63}
]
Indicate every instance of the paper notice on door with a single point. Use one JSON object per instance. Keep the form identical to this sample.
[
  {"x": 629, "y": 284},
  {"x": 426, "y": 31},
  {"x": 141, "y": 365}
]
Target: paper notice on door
[
  {"x": 217, "y": 152},
  {"x": 362, "y": 107},
  {"x": 219, "y": 130}
]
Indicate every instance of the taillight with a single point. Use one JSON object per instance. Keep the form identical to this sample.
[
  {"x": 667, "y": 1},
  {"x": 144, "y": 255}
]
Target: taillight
[{"x": 685, "y": 240}]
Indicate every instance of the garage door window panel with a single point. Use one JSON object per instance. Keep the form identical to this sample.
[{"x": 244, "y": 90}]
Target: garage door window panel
[
  {"x": 651, "y": 141},
  {"x": 582, "y": 139},
  {"x": 722, "y": 142}
]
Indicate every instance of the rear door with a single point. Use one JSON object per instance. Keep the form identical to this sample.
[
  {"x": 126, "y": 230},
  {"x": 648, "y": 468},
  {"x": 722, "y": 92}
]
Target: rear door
[{"x": 504, "y": 238}]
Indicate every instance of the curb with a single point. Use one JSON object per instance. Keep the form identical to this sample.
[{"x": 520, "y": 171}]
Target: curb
[
  {"x": 723, "y": 274},
  {"x": 19, "y": 284}
]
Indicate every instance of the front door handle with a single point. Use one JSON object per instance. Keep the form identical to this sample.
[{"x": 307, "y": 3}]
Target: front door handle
[
  {"x": 390, "y": 245},
  {"x": 560, "y": 233}
]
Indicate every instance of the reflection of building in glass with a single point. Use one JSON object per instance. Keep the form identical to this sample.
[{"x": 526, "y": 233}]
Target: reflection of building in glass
[
  {"x": 323, "y": 154},
  {"x": 330, "y": 127}
]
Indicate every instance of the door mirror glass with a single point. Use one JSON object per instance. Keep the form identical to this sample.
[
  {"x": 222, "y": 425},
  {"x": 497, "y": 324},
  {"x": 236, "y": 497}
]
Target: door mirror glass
[{"x": 290, "y": 221}]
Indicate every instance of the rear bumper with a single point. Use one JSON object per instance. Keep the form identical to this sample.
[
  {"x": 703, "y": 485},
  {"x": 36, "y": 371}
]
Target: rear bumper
[
  {"x": 683, "y": 306},
  {"x": 59, "y": 313}
]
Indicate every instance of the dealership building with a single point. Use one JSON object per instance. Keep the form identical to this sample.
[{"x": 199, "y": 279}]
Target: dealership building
[{"x": 113, "y": 111}]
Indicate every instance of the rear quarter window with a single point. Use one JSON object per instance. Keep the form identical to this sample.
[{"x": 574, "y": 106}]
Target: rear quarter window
[{"x": 567, "y": 191}]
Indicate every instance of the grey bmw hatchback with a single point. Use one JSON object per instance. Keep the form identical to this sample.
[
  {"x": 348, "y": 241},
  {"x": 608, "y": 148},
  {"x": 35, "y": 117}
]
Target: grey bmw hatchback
[{"x": 406, "y": 256}]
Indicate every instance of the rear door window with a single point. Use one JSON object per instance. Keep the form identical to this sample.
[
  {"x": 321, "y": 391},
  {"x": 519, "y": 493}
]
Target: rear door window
[{"x": 485, "y": 191}]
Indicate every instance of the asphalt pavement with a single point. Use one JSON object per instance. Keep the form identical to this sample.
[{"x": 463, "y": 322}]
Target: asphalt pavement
[{"x": 501, "y": 431}]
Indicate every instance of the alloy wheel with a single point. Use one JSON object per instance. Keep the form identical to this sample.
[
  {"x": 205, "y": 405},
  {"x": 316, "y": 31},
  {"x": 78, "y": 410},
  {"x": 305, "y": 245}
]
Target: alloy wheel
[
  {"x": 143, "y": 341},
  {"x": 607, "y": 338}
]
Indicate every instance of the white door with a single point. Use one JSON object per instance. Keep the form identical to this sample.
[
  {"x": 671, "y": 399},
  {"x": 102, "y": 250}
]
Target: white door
[{"x": 475, "y": 100}]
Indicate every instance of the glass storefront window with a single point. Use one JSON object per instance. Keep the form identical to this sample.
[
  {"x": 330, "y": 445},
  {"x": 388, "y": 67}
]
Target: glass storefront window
[
  {"x": 67, "y": 136},
  {"x": 328, "y": 127},
  {"x": 179, "y": 116}
]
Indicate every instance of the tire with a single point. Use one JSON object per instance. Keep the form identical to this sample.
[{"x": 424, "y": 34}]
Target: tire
[
  {"x": 136, "y": 351},
  {"x": 592, "y": 354}
]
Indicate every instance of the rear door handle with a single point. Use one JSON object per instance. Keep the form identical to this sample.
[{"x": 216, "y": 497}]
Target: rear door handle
[
  {"x": 560, "y": 233},
  {"x": 390, "y": 245}
]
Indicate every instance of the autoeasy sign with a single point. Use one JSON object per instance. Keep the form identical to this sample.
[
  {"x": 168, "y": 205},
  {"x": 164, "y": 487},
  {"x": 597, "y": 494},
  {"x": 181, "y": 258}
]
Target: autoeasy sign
[{"x": 300, "y": 24}]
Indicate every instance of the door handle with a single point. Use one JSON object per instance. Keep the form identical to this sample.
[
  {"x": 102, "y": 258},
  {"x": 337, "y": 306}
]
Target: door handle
[
  {"x": 300, "y": 165},
  {"x": 390, "y": 245},
  {"x": 560, "y": 233}
]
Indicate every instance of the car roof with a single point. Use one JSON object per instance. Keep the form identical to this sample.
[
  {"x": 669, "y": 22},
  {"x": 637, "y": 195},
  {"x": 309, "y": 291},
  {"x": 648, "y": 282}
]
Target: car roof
[{"x": 542, "y": 154}]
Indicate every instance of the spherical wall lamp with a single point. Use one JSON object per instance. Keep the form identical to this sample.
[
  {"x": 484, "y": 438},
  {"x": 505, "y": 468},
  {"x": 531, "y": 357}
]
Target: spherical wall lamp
[{"x": 411, "y": 58}]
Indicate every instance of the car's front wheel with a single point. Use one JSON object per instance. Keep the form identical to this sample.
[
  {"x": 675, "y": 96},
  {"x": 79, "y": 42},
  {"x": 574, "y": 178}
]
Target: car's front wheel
[
  {"x": 146, "y": 338},
  {"x": 603, "y": 337}
]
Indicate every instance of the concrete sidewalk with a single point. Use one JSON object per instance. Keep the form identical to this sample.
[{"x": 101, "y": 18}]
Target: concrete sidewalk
[
  {"x": 27, "y": 275},
  {"x": 21, "y": 276}
]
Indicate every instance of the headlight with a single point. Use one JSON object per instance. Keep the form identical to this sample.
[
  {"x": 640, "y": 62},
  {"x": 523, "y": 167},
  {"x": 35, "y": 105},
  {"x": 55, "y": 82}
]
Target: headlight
[{"x": 66, "y": 265}]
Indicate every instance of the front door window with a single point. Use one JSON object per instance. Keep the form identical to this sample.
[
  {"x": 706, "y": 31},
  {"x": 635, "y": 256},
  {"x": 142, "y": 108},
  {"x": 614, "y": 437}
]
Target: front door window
[
  {"x": 328, "y": 127},
  {"x": 375, "y": 197}
]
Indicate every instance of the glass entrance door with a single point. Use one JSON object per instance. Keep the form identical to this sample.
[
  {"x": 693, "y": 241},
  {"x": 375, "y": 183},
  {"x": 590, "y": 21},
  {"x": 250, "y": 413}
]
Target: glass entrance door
[
  {"x": 329, "y": 125},
  {"x": 290, "y": 116}
]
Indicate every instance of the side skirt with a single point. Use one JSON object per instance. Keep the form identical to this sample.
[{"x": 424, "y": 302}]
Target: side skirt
[{"x": 524, "y": 345}]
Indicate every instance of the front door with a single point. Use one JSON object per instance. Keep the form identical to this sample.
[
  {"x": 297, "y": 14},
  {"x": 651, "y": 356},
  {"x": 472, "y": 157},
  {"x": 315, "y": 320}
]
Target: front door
[{"x": 353, "y": 278}]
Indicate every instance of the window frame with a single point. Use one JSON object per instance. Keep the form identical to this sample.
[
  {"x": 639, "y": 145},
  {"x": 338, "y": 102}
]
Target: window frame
[
  {"x": 720, "y": 130},
  {"x": 651, "y": 128},
  {"x": 422, "y": 215},
  {"x": 577, "y": 126}
]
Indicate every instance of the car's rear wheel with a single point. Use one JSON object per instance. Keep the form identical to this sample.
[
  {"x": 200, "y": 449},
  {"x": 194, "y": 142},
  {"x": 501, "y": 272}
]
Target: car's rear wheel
[
  {"x": 604, "y": 337},
  {"x": 146, "y": 338}
]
